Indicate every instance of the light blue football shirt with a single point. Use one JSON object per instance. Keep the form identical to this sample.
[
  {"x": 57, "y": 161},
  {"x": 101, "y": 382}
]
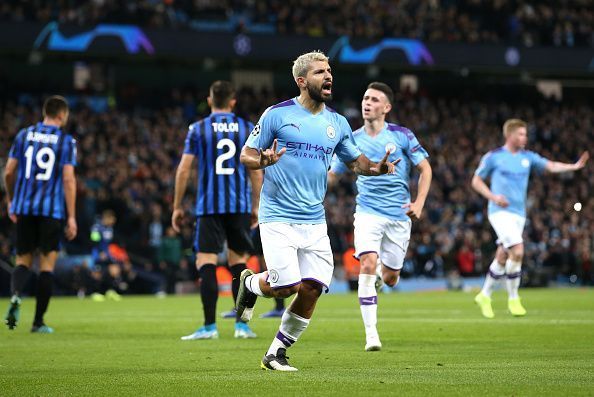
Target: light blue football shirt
[
  {"x": 385, "y": 195},
  {"x": 509, "y": 174},
  {"x": 294, "y": 188}
]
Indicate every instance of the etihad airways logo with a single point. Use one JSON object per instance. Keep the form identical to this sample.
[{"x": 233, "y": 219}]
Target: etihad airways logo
[{"x": 309, "y": 150}]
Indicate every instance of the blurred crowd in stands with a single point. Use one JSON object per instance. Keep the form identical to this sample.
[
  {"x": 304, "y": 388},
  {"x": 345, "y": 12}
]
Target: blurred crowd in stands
[
  {"x": 562, "y": 23},
  {"x": 128, "y": 155}
]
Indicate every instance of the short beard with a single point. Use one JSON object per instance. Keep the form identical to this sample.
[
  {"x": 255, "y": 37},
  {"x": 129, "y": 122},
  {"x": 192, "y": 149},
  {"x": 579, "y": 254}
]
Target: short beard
[{"x": 316, "y": 94}]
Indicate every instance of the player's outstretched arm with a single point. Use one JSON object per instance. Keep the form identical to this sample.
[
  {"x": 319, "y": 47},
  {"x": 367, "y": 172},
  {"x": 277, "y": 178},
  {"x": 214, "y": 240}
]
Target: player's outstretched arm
[
  {"x": 69, "y": 182},
  {"x": 363, "y": 166},
  {"x": 558, "y": 167},
  {"x": 181, "y": 182},
  {"x": 481, "y": 188},
  {"x": 9, "y": 181},
  {"x": 415, "y": 208},
  {"x": 260, "y": 158}
]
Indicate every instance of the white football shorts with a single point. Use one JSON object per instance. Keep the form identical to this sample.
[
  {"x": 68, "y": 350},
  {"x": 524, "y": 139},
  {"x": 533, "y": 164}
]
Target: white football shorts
[
  {"x": 387, "y": 238},
  {"x": 508, "y": 227},
  {"x": 296, "y": 252}
]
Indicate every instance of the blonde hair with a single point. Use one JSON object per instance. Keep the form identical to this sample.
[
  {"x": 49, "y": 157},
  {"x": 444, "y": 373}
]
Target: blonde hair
[
  {"x": 511, "y": 125},
  {"x": 301, "y": 64}
]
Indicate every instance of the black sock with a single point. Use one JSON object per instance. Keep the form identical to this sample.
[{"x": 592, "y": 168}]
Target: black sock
[
  {"x": 45, "y": 284},
  {"x": 209, "y": 291},
  {"x": 279, "y": 304},
  {"x": 19, "y": 278},
  {"x": 236, "y": 274}
]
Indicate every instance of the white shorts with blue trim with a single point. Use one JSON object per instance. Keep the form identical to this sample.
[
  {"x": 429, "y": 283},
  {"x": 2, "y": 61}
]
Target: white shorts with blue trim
[{"x": 297, "y": 252}]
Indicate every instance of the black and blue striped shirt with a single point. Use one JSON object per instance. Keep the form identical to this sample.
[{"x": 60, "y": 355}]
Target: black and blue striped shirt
[
  {"x": 41, "y": 151},
  {"x": 223, "y": 182}
]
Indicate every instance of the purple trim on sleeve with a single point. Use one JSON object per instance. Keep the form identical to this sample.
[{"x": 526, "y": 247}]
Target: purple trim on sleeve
[
  {"x": 368, "y": 301},
  {"x": 288, "y": 102},
  {"x": 397, "y": 128},
  {"x": 317, "y": 281},
  {"x": 288, "y": 342}
]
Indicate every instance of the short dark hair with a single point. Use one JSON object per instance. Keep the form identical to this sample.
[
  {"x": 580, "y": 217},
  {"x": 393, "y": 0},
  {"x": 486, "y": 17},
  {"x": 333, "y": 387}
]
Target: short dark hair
[
  {"x": 54, "y": 105},
  {"x": 221, "y": 92},
  {"x": 383, "y": 87}
]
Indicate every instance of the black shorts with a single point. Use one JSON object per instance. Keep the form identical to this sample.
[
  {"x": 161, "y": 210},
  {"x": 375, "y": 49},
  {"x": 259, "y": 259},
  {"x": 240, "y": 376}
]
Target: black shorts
[
  {"x": 257, "y": 242},
  {"x": 213, "y": 230},
  {"x": 35, "y": 232}
]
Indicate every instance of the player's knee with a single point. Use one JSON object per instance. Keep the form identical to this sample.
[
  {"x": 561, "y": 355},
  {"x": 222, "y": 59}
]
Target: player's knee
[
  {"x": 516, "y": 253},
  {"x": 368, "y": 263},
  {"x": 391, "y": 278},
  {"x": 311, "y": 289},
  {"x": 285, "y": 292}
]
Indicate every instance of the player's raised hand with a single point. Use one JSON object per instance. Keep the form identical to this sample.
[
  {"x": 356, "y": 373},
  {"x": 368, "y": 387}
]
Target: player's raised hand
[
  {"x": 71, "y": 229},
  {"x": 177, "y": 219},
  {"x": 414, "y": 210},
  {"x": 271, "y": 156},
  {"x": 500, "y": 200},
  {"x": 582, "y": 161},
  {"x": 384, "y": 166}
]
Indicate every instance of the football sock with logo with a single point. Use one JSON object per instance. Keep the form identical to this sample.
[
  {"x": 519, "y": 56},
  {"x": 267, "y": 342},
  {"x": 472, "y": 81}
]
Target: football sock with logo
[
  {"x": 209, "y": 291},
  {"x": 18, "y": 280},
  {"x": 235, "y": 282},
  {"x": 291, "y": 328},
  {"x": 45, "y": 284},
  {"x": 495, "y": 274},
  {"x": 368, "y": 302},
  {"x": 513, "y": 272}
]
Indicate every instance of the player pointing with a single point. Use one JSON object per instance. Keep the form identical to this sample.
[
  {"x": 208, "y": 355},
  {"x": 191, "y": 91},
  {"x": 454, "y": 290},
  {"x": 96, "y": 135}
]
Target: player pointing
[
  {"x": 292, "y": 223},
  {"x": 509, "y": 169}
]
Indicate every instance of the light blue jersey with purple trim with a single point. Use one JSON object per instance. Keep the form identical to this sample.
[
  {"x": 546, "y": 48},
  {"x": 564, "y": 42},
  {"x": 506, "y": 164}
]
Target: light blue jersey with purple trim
[
  {"x": 385, "y": 195},
  {"x": 294, "y": 188},
  {"x": 509, "y": 173}
]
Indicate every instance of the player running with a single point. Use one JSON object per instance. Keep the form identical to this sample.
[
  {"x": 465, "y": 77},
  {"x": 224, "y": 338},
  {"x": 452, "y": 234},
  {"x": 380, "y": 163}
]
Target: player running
[
  {"x": 509, "y": 168},
  {"x": 384, "y": 208},
  {"x": 292, "y": 221},
  {"x": 224, "y": 202},
  {"x": 41, "y": 191}
]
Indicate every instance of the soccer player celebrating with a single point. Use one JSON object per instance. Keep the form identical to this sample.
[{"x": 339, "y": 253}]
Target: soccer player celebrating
[
  {"x": 509, "y": 169},
  {"x": 384, "y": 208},
  {"x": 224, "y": 203},
  {"x": 292, "y": 224},
  {"x": 41, "y": 188}
]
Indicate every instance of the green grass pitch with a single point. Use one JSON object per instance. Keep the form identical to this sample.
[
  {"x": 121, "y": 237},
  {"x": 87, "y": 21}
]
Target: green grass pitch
[{"x": 435, "y": 343}]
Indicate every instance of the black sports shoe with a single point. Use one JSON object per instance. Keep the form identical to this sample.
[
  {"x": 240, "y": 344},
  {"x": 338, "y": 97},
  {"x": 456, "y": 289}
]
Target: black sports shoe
[
  {"x": 277, "y": 362},
  {"x": 12, "y": 315},
  {"x": 246, "y": 299}
]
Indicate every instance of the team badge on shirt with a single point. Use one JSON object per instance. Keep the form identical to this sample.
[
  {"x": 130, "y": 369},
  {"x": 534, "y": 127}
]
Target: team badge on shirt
[
  {"x": 525, "y": 163},
  {"x": 390, "y": 147},
  {"x": 331, "y": 132}
]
